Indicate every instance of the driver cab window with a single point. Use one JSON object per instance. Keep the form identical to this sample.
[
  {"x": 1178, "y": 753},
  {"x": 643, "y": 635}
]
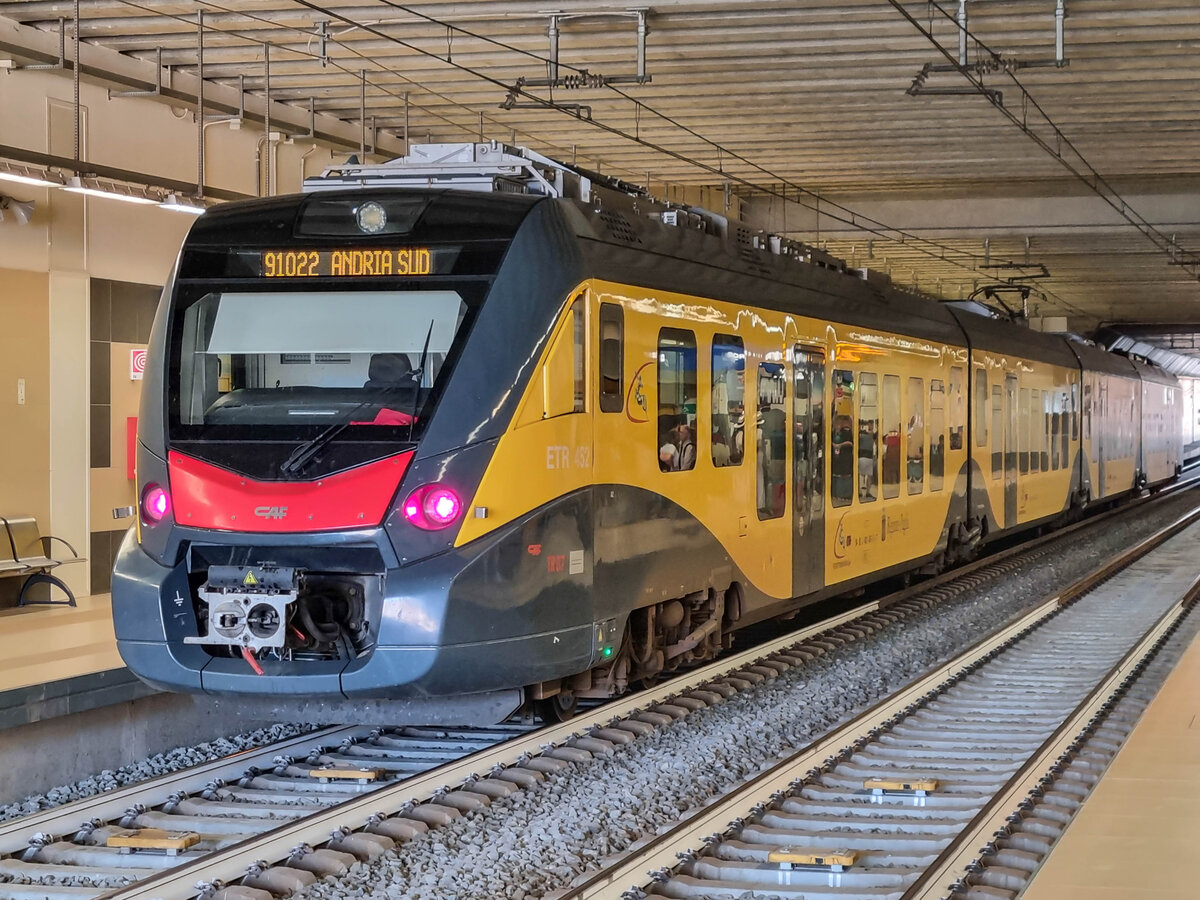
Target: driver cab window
[{"x": 563, "y": 373}]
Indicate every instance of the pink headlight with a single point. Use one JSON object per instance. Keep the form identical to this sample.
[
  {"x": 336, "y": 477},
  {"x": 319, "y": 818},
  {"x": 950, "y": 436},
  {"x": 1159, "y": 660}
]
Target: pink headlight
[
  {"x": 155, "y": 504},
  {"x": 432, "y": 506}
]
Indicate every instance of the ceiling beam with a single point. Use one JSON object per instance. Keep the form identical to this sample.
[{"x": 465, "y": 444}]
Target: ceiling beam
[{"x": 29, "y": 45}]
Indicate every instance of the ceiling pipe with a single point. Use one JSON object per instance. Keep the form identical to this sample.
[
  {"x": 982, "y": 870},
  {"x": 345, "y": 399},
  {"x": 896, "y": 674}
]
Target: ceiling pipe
[
  {"x": 963, "y": 57},
  {"x": 1060, "y": 16},
  {"x": 66, "y": 164},
  {"x": 200, "y": 104}
]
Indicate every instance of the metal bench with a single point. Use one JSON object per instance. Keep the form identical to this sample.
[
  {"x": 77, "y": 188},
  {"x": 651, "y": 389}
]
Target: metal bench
[{"x": 25, "y": 552}]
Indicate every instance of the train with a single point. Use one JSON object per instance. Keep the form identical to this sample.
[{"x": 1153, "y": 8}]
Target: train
[{"x": 475, "y": 431}]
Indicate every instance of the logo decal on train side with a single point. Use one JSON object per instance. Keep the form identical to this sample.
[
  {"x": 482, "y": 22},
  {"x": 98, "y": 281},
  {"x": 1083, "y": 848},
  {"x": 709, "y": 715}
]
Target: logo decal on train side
[
  {"x": 637, "y": 394},
  {"x": 841, "y": 540},
  {"x": 271, "y": 512}
]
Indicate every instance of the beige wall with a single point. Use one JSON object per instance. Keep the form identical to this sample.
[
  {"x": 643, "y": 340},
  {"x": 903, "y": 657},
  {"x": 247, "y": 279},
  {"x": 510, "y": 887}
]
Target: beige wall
[
  {"x": 69, "y": 418},
  {"x": 46, "y": 267},
  {"x": 25, "y": 429},
  {"x": 110, "y": 487}
]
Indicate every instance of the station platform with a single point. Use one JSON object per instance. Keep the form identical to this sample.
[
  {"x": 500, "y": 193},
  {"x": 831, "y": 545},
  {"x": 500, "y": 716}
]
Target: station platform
[
  {"x": 1135, "y": 837},
  {"x": 57, "y": 660}
]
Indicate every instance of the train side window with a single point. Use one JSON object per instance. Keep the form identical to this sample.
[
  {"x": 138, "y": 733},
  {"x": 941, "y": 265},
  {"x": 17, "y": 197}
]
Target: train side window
[
  {"x": 981, "y": 407},
  {"x": 1054, "y": 414},
  {"x": 563, "y": 373},
  {"x": 612, "y": 357},
  {"x": 676, "y": 400},
  {"x": 958, "y": 416},
  {"x": 1087, "y": 416},
  {"x": 841, "y": 439},
  {"x": 891, "y": 436},
  {"x": 728, "y": 400},
  {"x": 1044, "y": 406},
  {"x": 868, "y": 436},
  {"x": 1023, "y": 430},
  {"x": 997, "y": 430},
  {"x": 1074, "y": 412},
  {"x": 937, "y": 434},
  {"x": 1035, "y": 431},
  {"x": 915, "y": 436},
  {"x": 1065, "y": 400},
  {"x": 772, "y": 440},
  {"x": 580, "y": 345}
]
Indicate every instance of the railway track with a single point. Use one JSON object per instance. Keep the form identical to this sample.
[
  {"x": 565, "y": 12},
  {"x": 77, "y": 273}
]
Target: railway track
[
  {"x": 88, "y": 847},
  {"x": 276, "y": 805},
  {"x": 956, "y": 787}
]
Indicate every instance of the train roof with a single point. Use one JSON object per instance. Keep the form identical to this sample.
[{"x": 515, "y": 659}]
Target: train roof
[
  {"x": 1152, "y": 373},
  {"x": 1010, "y": 339},
  {"x": 629, "y": 238}
]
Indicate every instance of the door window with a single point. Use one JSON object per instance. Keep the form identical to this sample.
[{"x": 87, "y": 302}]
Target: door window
[
  {"x": 891, "y": 436},
  {"x": 915, "y": 436},
  {"x": 868, "y": 436},
  {"x": 841, "y": 439},
  {"x": 937, "y": 434},
  {"x": 981, "y": 408},
  {"x": 772, "y": 440},
  {"x": 728, "y": 400},
  {"x": 958, "y": 413},
  {"x": 676, "y": 400}
]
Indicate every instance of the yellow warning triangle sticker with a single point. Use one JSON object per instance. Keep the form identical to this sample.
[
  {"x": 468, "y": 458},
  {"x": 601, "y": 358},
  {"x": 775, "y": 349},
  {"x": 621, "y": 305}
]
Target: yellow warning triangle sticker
[{"x": 249, "y": 580}]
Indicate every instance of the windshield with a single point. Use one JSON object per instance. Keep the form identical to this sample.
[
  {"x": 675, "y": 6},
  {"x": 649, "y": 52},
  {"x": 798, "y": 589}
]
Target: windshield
[{"x": 286, "y": 365}]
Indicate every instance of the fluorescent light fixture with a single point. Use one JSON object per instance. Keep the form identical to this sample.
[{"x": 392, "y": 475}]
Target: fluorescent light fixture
[
  {"x": 174, "y": 204},
  {"x": 76, "y": 186},
  {"x": 26, "y": 179}
]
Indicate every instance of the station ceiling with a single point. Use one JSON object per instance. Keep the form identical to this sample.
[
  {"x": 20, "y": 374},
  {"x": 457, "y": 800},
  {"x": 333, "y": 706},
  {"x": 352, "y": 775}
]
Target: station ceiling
[{"x": 881, "y": 129}]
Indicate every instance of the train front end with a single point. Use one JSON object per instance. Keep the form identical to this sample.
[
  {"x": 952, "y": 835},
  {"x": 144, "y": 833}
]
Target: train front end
[{"x": 328, "y": 376}]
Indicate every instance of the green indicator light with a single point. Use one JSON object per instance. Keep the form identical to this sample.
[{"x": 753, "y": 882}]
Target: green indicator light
[{"x": 608, "y": 651}]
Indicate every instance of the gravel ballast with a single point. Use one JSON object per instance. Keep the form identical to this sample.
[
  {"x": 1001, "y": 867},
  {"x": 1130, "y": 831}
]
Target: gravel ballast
[
  {"x": 538, "y": 840},
  {"x": 151, "y": 767}
]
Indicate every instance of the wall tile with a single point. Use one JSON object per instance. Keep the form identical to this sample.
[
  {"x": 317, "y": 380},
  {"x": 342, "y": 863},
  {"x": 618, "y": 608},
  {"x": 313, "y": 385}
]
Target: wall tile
[
  {"x": 101, "y": 298},
  {"x": 100, "y": 561},
  {"x": 101, "y": 450},
  {"x": 124, "y": 314},
  {"x": 147, "y": 306},
  {"x": 101, "y": 389}
]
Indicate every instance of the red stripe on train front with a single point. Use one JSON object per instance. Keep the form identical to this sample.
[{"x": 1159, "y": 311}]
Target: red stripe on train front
[{"x": 207, "y": 496}]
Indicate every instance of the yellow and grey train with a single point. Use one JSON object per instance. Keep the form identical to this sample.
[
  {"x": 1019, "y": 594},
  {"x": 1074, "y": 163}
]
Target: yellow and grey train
[{"x": 443, "y": 451}]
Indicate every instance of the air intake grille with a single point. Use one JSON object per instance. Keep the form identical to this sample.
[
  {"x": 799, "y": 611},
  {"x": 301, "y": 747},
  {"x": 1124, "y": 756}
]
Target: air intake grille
[{"x": 619, "y": 227}]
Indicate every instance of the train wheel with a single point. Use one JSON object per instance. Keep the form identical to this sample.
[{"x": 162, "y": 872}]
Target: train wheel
[{"x": 559, "y": 708}]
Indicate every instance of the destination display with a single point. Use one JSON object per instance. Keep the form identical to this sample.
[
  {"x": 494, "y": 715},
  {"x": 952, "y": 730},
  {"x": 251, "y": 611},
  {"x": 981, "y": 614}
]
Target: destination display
[{"x": 348, "y": 263}]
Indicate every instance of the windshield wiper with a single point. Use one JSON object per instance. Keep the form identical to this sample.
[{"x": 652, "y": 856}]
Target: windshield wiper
[
  {"x": 418, "y": 377},
  {"x": 306, "y": 452}
]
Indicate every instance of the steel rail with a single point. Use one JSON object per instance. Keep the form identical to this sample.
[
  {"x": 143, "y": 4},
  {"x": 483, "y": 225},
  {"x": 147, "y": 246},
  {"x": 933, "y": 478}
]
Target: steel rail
[
  {"x": 14, "y": 834},
  {"x": 231, "y": 864},
  {"x": 663, "y": 851},
  {"x": 938, "y": 880}
]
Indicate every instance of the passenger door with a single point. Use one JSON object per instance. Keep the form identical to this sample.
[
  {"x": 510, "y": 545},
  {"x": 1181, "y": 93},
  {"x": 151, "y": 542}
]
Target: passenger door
[{"x": 808, "y": 426}]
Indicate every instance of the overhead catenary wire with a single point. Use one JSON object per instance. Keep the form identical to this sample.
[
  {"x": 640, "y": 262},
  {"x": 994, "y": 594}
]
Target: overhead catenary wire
[
  {"x": 721, "y": 150},
  {"x": 1083, "y": 170},
  {"x": 844, "y": 215},
  {"x": 400, "y": 96},
  {"x": 965, "y": 260}
]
